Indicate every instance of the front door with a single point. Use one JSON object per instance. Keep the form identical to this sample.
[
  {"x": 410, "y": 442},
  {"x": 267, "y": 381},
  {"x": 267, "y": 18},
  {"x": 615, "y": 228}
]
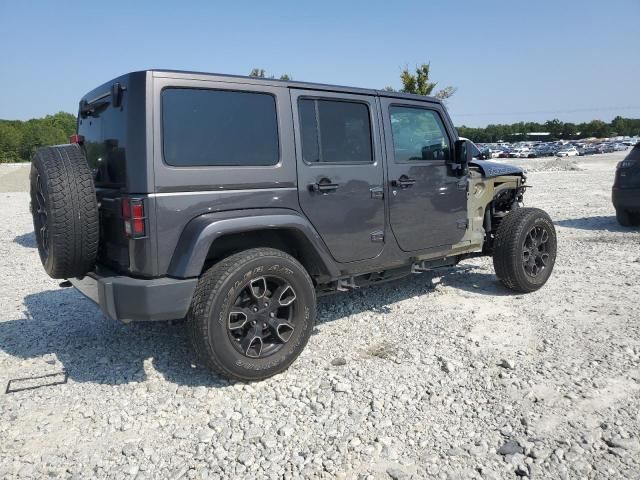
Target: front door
[
  {"x": 427, "y": 202},
  {"x": 340, "y": 176}
]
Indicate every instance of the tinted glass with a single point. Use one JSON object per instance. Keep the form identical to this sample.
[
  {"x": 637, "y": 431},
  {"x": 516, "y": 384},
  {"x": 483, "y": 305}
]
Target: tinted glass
[
  {"x": 105, "y": 138},
  {"x": 418, "y": 134},
  {"x": 335, "y": 131},
  {"x": 219, "y": 128},
  {"x": 309, "y": 131}
]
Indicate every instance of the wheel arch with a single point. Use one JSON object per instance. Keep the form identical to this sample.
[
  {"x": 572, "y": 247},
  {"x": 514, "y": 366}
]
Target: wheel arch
[{"x": 208, "y": 238}]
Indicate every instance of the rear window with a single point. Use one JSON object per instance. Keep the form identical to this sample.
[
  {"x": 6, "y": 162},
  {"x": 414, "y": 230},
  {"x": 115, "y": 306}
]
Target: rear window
[
  {"x": 218, "y": 128},
  {"x": 105, "y": 135}
]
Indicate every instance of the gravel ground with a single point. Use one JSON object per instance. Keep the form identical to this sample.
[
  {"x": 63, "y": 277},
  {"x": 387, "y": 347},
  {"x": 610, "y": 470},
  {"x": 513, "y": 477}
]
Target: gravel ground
[{"x": 437, "y": 376}]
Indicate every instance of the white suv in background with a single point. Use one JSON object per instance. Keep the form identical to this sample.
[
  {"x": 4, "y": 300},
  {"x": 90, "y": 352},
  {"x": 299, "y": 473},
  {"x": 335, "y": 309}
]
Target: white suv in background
[{"x": 567, "y": 152}]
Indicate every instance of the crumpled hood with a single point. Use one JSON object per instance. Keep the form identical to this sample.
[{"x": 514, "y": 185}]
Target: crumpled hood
[{"x": 495, "y": 169}]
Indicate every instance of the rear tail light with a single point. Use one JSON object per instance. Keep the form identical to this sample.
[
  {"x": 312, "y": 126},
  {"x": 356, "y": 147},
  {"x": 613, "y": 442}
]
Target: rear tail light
[
  {"x": 134, "y": 218},
  {"x": 79, "y": 139}
]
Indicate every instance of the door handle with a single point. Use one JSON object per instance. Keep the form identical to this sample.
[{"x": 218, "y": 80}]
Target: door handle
[
  {"x": 323, "y": 186},
  {"x": 403, "y": 182}
]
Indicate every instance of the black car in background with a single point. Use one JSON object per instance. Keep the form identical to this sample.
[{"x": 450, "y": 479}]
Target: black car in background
[{"x": 626, "y": 189}]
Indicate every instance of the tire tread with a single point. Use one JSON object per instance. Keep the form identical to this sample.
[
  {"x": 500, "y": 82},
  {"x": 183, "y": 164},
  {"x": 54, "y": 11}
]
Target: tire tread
[
  {"x": 73, "y": 211},
  {"x": 507, "y": 255},
  {"x": 208, "y": 288}
]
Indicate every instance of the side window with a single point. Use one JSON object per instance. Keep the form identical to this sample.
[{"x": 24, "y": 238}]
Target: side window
[
  {"x": 203, "y": 127},
  {"x": 418, "y": 134},
  {"x": 335, "y": 131}
]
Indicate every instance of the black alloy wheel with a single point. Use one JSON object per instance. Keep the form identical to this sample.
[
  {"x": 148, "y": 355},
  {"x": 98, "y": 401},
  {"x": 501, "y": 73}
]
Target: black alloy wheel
[
  {"x": 40, "y": 218},
  {"x": 252, "y": 314},
  {"x": 535, "y": 251},
  {"x": 525, "y": 249},
  {"x": 262, "y": 318}
]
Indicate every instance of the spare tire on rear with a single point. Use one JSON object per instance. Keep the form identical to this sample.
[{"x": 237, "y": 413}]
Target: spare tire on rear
[{"x": 64, "y": 210}]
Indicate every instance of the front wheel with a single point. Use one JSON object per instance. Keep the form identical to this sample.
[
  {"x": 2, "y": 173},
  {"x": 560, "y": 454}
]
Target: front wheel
[
  {"x": 525, "y": 249},
  {"x": 252, "y": 314}
]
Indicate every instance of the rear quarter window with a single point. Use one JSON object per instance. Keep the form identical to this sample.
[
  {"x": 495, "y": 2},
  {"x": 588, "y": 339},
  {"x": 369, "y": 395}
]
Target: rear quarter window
[{"x": 203, "y": 127}]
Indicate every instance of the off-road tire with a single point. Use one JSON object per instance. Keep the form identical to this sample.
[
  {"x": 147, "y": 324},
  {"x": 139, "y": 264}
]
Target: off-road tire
[
  {"x": 218, "y": 288},
  {"x": 62, "y": 187},
  {"x": 510, "y": 244},
  {"x": 627, "y": 218}
]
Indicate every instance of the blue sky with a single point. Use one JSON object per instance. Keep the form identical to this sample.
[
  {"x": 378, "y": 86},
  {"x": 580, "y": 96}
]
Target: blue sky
[{"x": 510, "y": 60}]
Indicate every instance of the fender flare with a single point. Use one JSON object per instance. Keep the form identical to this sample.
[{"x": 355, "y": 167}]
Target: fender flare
[{"x": 196, "y": 239}]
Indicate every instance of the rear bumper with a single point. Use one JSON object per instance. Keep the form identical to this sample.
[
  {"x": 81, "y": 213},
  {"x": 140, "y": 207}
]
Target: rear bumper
[
  {"x": 626, "y": 198},
  {"x": 130, "y": 299}
]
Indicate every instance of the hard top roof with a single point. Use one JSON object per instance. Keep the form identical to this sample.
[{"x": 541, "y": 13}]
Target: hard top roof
[{"x": 182, "y": 74}]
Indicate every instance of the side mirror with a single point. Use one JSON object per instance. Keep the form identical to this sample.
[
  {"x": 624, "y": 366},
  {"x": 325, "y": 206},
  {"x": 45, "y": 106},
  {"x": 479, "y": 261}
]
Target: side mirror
[{"x": 462, "y": 156}]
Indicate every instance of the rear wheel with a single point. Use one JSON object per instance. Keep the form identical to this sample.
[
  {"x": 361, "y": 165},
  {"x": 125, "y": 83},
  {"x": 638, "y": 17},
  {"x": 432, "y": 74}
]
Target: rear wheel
[
  {"x": 627, "y": 218},
  {"x": 525, "y": 249},
  {"x": 252, "y": 314}
]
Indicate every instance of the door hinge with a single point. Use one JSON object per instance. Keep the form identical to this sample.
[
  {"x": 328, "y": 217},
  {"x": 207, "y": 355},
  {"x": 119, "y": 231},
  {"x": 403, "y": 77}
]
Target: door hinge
[
  {"x": 463, "y": 224},
  {"x": 377, "y": 192},
  {"x": 377, "y": 236}
]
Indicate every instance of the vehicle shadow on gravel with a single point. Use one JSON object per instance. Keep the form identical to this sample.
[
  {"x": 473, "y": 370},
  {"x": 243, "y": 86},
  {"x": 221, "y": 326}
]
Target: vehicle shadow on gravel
[
  {"x": 27, "y": 240},
  {"x": 606, "y": 223},
  {"x": 95, "y": 349},
  {"x": 379, "y": 298}
]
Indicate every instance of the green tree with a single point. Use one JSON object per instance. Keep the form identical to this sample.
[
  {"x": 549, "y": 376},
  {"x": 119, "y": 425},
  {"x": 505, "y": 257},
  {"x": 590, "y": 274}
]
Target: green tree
[
  {"x": 554, "y": 127},
  {"x": 260, "y": 73},
  {"x": 257, "y": 73},
  {"x": 18, "y": 139},
  {"x": 38, "y": 133},
  {"x": 569, "y": 131},
  {"x": 10, "y": 141},
  {"x": 419, "y": 83},
  {"x": 595, "y": 128},
  {"x": 619, "y": 126},
  {"x": 63, "y": 121}
]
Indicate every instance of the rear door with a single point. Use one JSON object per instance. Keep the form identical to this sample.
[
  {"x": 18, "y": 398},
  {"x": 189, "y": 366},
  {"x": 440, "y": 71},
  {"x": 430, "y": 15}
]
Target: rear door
[
  {"x": 427, "y": 202},
  {"x": 340, "y": 173}
]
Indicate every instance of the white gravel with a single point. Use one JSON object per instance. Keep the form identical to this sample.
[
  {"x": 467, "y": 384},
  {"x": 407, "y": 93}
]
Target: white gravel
[{"x": 437, "y": 376}]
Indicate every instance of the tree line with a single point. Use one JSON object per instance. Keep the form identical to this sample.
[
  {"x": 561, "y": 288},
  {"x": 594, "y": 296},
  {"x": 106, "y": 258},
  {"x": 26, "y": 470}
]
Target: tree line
[
  {"x": 18, "y": 139},
  {"x": 557, "y": 130}
]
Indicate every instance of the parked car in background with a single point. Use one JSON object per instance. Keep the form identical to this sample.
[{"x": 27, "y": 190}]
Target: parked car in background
[
  {"x": 567, "y": 152},
  {"x": 605, "y": 148},
  {"x": 519, "y": 152},
  {"x": 586, "y": 150},
  {"x": 542, "y": 151},
  {"x": 626, "y": 189},
  {"x": 620, "y": 147}
]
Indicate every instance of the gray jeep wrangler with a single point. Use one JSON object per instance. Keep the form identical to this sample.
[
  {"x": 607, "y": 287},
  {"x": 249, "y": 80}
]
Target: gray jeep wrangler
[{"x": 234, "y": 201}]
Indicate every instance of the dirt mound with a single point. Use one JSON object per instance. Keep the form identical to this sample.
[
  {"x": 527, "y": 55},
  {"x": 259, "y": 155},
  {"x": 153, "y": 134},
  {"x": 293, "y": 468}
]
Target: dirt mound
[{"x": 556, "y": 165}]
